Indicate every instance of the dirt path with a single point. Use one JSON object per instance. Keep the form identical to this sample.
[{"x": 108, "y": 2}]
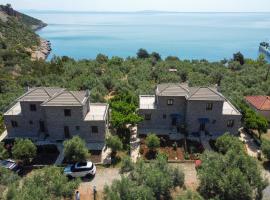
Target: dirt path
[{"x": 190, "y": 172}]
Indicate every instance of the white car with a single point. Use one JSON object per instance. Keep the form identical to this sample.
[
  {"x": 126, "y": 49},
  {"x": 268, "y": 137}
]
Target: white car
[{"x": 80, "y": 169}]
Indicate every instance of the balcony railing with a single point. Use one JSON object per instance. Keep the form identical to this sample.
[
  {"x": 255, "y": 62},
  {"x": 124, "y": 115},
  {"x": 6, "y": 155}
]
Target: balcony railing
[{"x": 147, "y": 106}]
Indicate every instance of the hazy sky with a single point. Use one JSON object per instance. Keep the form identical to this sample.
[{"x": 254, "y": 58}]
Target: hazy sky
[{"x": 138, "y": 5}]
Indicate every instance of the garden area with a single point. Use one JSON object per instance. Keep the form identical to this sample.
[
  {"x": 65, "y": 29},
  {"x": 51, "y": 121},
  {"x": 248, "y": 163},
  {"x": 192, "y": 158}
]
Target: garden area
[{"x": 175, "y": 150}]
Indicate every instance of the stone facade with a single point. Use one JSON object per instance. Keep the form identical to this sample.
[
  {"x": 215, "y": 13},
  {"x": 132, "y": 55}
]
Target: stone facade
[
  {"x": 176, "y": 106},
  {"x": 57, "y": 116}
]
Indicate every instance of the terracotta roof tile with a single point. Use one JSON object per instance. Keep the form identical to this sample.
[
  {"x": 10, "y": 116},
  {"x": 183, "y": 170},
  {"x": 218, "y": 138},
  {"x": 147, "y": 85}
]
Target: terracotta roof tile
[{"x": 259, "y": 102}]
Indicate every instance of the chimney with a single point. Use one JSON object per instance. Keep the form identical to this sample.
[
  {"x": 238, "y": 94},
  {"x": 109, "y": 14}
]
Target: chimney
[
  {"x": 217, "y": 87},
  {"x": 87, "y": 93},
  {"x": 27, "y": 88}
]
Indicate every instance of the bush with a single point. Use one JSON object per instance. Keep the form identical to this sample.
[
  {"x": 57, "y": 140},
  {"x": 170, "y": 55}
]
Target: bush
[
  {"x": 7, "y": 177},
  {"x": 114, "y": 143},
  {"x": 75, "y": 150},
  {"x": 126, "y": 165},
  {"x": 228, "y": 142},
  {"x": 152, "y": 142},
  {"x": 24, "y": 149},
  {"x": 4, "y": 154},
  {"x": 47, "y": 183},
  {"x": 178, "y": 177},
  {"x": 266, "y": 148},
  {"x": 229, "y": 176},
  {"x": 190, "y": 195},
  {"x": 186, "y": 156}
]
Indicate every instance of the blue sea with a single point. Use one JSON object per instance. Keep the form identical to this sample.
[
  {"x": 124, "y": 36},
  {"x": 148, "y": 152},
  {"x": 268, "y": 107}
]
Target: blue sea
[{"x": 211, "y": 36}]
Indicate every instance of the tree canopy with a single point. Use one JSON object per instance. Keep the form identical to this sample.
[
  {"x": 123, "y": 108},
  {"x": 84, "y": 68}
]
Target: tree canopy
[
  {"x": 44, "y": 184},
  {"x": 24, "y": 149},
  {"x": 231, "y": 175},
  {"x": 75, "y": 149},
  {"x": 152, "y": 141},
  {"x": 146, "y": 181}
]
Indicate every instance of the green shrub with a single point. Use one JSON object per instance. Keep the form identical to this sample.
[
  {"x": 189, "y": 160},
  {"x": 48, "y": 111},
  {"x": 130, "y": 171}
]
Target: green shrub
[
  {"x": 24, "y": 149},
  {"x": 266, "y": 148},
  {"x": 126, "y": 165},
  {"x": 178, "y": 177},
  {"x": 152, "y": 141},
  {"x": 75, "y": 150}
]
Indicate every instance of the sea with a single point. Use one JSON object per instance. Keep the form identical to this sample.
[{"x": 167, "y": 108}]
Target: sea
[{"x": 211, "y": 36}]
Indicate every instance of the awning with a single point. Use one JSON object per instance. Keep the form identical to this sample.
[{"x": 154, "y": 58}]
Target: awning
[{"x": 203, "y": 120}]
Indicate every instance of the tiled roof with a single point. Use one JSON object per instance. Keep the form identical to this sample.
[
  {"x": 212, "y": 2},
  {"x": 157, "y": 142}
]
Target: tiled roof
[
  {"x": 39, "y": 94},
  {"x": 191, "y": 93},
  {"x": 259, "y": 102},
  {"x": 67, "y": 98},
  {"x": 205, "y": 93},
  {"x": 171, "y": 89}
]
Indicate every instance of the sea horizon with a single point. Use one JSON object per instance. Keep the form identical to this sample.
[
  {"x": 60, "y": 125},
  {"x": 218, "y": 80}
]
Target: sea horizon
[{"x": 187, "y": 35}]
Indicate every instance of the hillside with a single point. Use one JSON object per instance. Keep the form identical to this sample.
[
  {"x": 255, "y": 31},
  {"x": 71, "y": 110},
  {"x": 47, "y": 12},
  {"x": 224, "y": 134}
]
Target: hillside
[
  {"x": 107, "y": 77},
  {"x": 31, "y": 22},
  {"x": 17, "y": 36}
]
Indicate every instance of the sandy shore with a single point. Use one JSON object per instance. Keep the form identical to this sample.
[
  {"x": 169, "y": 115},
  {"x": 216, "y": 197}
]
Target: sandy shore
[{"x": 41, "y": 52}]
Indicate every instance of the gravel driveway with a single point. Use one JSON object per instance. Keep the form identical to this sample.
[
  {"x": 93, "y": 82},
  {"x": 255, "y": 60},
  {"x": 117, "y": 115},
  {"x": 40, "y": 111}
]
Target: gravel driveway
[{"x": 104, "y": 176}]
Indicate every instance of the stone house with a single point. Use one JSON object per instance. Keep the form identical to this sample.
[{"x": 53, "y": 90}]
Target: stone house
[
  {"x": 56, "y": 114},
  {"x": 176, "y": 108}
]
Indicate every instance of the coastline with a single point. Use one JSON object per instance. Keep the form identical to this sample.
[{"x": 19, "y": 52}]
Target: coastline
[{"x": 42, "y": 51}]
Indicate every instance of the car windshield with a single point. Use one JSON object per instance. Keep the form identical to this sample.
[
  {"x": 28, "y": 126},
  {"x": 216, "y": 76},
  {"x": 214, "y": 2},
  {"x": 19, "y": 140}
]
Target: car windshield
[
  {"x": 82, "y": 164},
  {"x": 72, "y": 168}
]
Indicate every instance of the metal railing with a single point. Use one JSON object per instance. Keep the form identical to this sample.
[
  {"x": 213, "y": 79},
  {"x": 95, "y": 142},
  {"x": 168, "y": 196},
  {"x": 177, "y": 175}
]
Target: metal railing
[{"x": 147, "y": 106}]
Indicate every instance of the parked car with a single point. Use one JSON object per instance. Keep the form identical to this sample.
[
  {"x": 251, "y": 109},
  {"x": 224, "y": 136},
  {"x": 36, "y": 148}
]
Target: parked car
[
  {"x": 11, "y": 165},
  {"x": 80, "y": 169}
]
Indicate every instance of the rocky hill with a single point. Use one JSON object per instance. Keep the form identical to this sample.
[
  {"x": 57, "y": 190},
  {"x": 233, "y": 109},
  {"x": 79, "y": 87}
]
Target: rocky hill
[
  {"x": 17, "y": 34},
  {"x": 33, "y": 23}
]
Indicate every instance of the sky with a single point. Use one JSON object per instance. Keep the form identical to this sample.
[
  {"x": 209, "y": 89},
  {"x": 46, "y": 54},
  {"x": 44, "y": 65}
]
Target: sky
[{"x": 141, "y": 5}]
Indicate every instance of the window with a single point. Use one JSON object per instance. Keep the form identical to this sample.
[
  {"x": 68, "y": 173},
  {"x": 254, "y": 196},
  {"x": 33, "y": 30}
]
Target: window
[
  {"x": 77, "y": 128},
  {"x": 67, "y": 112},
  {"x": 214, "y": 121},
  {"x": 33, "y": 107},
  {"x": 164, "y": 116},
  {"x": 94, "y": 129},
  {"x": 147, "y": 116},
  {"x": 209, "y": 106},
  {"x": 14, "y": 124},
  {"x": 31, "y": 122},
  {"x": 170, "y": 102},
  {"x": 230, "y": 123}
]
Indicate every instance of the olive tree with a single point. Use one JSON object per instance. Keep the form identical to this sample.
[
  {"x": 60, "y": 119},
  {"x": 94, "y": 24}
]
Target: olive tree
[
  {"x": 75, "y": 149},
  {"x": 114, "y": 142},
  {"x": 24, "y": 149}
]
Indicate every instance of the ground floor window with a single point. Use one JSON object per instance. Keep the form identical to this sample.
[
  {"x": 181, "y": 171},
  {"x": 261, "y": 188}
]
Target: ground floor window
[
  {"x": 94, "y": 129},
  {"x": 147, "y": 116},
  {"x": 14, "y": 124},
  {"x": 230, "y": 123},
  {"x": 77, "y": 128}
]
